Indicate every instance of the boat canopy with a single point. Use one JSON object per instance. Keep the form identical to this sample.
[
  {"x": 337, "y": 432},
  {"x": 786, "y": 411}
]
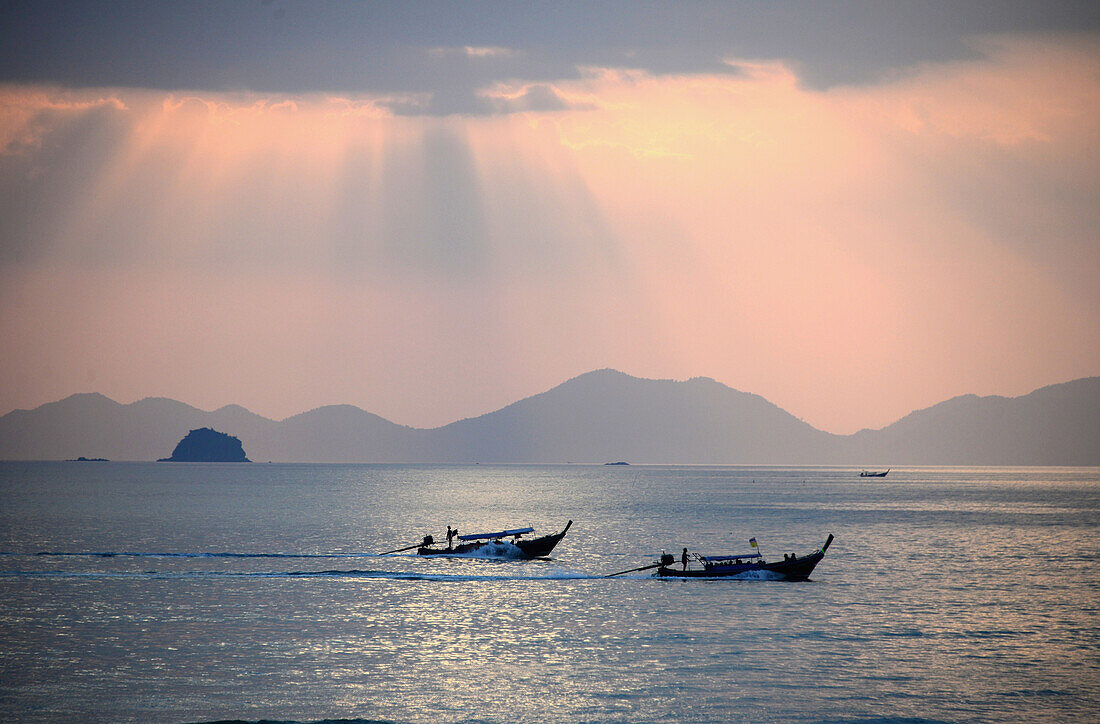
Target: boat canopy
[
  {"x": 501, "y": 534},
  {"x": 723, "y": 559}
]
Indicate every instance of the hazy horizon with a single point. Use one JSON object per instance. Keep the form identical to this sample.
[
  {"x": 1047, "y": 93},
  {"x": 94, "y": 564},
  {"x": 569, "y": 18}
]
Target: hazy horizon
[{"x": 430, "y": 211}]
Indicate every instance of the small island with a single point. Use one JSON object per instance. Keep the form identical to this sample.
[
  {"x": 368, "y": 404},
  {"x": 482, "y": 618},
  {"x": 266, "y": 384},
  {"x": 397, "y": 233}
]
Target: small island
[
  {"x": 207, "y": 445},
  {"x": 83, "y": 459}
]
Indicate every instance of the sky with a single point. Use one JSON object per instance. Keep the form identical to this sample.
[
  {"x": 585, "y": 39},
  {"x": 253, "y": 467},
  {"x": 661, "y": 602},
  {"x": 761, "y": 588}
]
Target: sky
[{"x": 431, "y": 210}]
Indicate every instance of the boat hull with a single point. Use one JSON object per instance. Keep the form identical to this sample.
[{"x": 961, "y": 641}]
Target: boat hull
[
  {"x": 521, "y": 549},
  {"x": 792, "y": 569}
]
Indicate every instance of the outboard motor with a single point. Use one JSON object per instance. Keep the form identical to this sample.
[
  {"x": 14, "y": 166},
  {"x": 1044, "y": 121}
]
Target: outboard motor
[
  {"x": 428, "y": 540},
  {"x": 667, "y": 559}
]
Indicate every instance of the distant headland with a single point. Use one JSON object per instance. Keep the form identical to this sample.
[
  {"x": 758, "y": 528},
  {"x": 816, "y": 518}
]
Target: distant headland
[{"x": 207, "y": 445}]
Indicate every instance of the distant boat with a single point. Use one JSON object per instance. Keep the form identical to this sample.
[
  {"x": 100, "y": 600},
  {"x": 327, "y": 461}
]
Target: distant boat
[
  {"x": 874, "y": 473},
  {"x": 746, "y": 565},
  {"x": 494, "y": 545}
]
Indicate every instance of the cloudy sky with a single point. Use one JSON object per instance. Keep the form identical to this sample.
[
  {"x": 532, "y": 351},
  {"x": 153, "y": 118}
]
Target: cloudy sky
[{"x": 430, "y": 210}]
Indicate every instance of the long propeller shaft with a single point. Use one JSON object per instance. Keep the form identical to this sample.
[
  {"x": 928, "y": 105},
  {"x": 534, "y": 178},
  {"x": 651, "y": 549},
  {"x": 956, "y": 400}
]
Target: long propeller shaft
[
  {"x": 633, "y": 570},
  {"x": 398, "y": 550}
]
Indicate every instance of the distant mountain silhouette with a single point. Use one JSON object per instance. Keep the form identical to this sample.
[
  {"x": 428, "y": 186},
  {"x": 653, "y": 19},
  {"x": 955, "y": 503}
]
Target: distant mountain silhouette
[
  {"x": 1055, "y": 425},
  {"x": 607, "y": 415},
  {"x": 596, "y": 417},
  {"x": 91, "y": 424}
]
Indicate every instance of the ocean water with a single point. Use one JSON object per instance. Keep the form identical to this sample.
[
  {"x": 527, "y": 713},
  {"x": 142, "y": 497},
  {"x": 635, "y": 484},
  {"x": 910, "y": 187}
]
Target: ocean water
[{"x": 192, "y": 593}]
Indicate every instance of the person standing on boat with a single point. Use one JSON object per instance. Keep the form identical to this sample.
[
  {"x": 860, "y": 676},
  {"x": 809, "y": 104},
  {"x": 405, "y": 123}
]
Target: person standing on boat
[
  {"x": 451, "y": 537},
  {"x": 684, "y": 558}
]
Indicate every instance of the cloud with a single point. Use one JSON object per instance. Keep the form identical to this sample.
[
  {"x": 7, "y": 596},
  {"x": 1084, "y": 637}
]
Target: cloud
[
  {"x": 445, "y": 54},
  {"x": 539, "y": 98},
  {"x": 471, "y": 51}
]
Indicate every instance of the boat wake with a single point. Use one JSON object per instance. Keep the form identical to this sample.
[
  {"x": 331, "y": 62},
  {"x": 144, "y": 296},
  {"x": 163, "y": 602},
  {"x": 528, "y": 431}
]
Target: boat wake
[
  {"x": 496, "y": 573},
  {"x": 465, "y": 577},
  {"x": 224, "y": 554},
  {"x": 750, "y": 576},
  {"x": 353, "y": 573},
  {"x": 744, "y": 576},
  {"x": 496, "y": 550}
]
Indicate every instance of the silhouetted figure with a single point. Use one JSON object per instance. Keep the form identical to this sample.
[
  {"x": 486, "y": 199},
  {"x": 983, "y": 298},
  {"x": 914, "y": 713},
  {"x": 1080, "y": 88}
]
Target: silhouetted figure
[
  {"x": 684, "y": 558},
  {"x": 451, "y": 537}
]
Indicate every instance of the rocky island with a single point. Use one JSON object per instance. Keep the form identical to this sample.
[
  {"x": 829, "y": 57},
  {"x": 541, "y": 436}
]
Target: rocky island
[{"x": 207, "y": 445}]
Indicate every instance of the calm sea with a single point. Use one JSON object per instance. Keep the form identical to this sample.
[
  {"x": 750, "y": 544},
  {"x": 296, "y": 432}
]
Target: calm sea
[{"x": 185, "y": 593}]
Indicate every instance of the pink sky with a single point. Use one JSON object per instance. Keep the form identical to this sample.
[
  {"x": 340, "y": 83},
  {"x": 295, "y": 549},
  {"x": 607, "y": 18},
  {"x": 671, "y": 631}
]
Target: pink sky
[{"x": 850, "y": 254}]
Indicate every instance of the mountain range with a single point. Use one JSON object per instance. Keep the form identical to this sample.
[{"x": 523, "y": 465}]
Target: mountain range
[{"x": 600, "y": 416}]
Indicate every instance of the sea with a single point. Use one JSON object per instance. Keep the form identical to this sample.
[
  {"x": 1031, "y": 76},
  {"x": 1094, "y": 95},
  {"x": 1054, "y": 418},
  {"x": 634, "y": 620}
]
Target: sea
[{"x": 176, "y": 592}]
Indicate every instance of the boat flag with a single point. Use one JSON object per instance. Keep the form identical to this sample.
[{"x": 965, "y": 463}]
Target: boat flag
[{"x": 752, "y": 542}]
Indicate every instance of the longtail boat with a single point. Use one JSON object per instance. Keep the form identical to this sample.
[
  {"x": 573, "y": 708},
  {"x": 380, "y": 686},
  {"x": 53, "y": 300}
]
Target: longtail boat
[
  {"x": 501, "y": 544},
  {"x": 746, "y": 565},
  {"x": 875, "y": 473}
]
